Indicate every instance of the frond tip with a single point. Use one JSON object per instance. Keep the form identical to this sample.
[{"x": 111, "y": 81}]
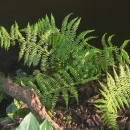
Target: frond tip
[{"x": 115, "y": 96}]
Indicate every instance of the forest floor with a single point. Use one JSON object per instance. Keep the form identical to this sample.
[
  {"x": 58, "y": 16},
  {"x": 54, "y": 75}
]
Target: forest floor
[
  {"x": 84, "y": 116},
  {"x": 81, "y": 116}
]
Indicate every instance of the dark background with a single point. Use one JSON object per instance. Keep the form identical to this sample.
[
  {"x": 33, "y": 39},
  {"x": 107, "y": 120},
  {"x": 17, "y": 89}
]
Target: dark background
[{"x": 111, "y": 16}]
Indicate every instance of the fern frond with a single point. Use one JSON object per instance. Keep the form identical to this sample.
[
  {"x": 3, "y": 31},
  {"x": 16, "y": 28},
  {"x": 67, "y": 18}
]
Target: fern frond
[
  {"x": 110, "y": 40},
  {"x": 46, "y": 24},
  {"x": 64, "y": 23},
  {"x": 67, "y": 77},
  {"x": 4, "y": 38},
  {"x": 124, "y": 44},
  {"x": 65, "y": 96},
  {"x": 71, "y": 24},
  {"x": 115, "y": 96},
  {"x": 112, "y": 54},
  {"x": 49, "y": 88},
  {"x": 9, "y": 39},
  {"x": 15, "y": 34},
  {"x": 45, "y": 38},
  {"x": 75, "y": 74},
  {"x": 124, "y": 54},
  {"x": 84, "y": 41},
  {"x": 22, "y": 49},
  {"x": 35, "y": 48},
  {"x": 76, "y": 25},
  {"x": 53, "y": 24},
  {"x": 103, "y": 40}
]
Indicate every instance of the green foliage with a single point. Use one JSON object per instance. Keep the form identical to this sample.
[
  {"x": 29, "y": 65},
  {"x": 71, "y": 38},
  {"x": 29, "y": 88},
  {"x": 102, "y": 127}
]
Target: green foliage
[
  {"x": 55, "y": 50},
  {"x": 44, "y": 45},
  {"x": 31, "y": 123},
  {"x": 36, "y": 51},
  {"x": 9, "y": 39},
  {"x": 50, "y": 88},
  {"x": 111, "y": 55},
  {"x": 64, "y": 59},
  {"x": 115, "y": 95},
  {"x": 4, "y": 38}
]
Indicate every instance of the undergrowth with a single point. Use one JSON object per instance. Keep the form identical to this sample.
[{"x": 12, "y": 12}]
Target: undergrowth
[{"x": 64, "y": 59}]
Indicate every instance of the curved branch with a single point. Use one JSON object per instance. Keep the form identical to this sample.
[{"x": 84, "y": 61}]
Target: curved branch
[{"x": 29, "y": 97}]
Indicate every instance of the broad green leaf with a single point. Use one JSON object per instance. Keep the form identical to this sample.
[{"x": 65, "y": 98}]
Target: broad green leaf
[
  {"x": 29, "y": 123},
  {"x": 46, "y": 126}
]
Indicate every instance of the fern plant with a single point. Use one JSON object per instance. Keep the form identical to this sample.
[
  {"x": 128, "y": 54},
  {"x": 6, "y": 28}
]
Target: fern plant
[
  {"x": 64, "y": 58},
  {"x": 44, "y": 45},
  {"x": 115, "y": 95},
  {"x": 52, "y": 48},
  {"x": 50, "y": 88},
  {"x": 111, "y": 55},
  {"x": 36, "y": 47}
]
